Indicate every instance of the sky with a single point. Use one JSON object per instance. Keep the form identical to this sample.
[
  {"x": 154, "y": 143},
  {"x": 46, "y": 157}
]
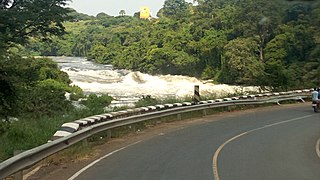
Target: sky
[{"x": 113, "y": 7}]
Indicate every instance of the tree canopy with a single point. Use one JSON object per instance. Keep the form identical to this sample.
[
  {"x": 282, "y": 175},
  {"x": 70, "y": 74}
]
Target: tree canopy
[
  {"x": 29, "y": 85},
  {"x": 247, "y": 42},
  {"x": 22, "y": 19}
]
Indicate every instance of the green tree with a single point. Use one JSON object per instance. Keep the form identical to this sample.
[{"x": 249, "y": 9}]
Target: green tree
[
  {"x": 21, "y": 19},
  {"x": 76, "y": 16},
  {"x": 241, "y": 63},
  {"x": 312, "y": 67},
  {"x": 102, "y": 15},
  {"x": 276, "y": 76},
  {"x": 122, "y": 12},
  {"x": 175, "y": 9},
  {"x": 167, "y": 60},
  {"x": 292, "y": 44},
  {"x": 278, "y": 48},
  {"x": 99, "y": 53},
  {"x": 258, "y": 18},
  {"x": 31, "y": 85},
  {"x": 211, "y": 49}
]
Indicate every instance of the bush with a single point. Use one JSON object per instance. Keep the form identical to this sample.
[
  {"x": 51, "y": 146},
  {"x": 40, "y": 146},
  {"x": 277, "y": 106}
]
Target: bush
[
  {"x": 76, "y": 93},
  {"x": 33, "y": 86},
  {"x": 97, "y": 103},
  {"x": 146, "y": 101},
  {"x": 149, "y": 101},
  {"x": 44, "y": 98}
]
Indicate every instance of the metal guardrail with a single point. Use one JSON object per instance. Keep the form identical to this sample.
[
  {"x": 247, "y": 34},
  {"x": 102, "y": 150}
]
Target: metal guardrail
[
  {"x": 71, "y": 127},
  {"x": 30, "y": 157}
]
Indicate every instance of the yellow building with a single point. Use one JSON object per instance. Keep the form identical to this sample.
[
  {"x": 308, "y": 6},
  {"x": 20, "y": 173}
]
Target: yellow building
[{"x": 144, "y": 12}]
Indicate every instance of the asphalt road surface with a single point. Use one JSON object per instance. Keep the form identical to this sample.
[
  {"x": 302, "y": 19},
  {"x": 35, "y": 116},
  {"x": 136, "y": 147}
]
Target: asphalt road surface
[{"x": 270, "y": 143}]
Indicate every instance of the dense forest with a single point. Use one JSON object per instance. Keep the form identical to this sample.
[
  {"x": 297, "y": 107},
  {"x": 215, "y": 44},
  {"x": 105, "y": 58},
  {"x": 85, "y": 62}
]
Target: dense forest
[{"x": 272, "y": 44}]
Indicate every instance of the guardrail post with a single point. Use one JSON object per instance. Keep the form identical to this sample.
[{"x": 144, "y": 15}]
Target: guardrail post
[
  {"x": 108, "y": 134},
  {"x": 300, "y": 98},
  {"x": 196, "y": 96},
  {"x": 204, "y": 112},
  {"x": 18, "y": 175},
  {"x": 179, "y": 117},
  {"x": 85, "y": 142}
]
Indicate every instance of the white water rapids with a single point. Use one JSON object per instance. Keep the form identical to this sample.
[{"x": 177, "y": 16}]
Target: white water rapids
[{"x": 127, "y": 87}]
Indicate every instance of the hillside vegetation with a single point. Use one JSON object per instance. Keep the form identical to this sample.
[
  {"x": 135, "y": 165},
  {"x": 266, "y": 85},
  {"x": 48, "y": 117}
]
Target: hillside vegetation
[{"x": 271, "y": 43}]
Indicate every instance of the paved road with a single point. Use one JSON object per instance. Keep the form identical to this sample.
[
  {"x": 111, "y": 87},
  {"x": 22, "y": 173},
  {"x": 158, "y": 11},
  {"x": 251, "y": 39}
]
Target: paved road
[{"x": 273, "y": 143}]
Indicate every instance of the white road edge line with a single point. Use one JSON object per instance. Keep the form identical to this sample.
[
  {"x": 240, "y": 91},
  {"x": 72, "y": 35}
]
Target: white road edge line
[
  {"x": 96, "y": 161},
  {"x": 216, "y": 154},
  {"x": 317, "y": 148}
]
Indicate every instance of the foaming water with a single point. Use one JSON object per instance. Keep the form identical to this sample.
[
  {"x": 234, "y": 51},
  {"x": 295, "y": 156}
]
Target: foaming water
[{"x": 130, "y": 86}]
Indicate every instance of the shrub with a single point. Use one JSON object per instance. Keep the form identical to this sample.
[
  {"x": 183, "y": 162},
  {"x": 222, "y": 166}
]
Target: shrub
[{"x": 97, "y": 103}]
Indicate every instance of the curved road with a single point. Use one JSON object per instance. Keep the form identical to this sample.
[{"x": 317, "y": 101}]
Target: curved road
[{"x": 268, "y": 143}]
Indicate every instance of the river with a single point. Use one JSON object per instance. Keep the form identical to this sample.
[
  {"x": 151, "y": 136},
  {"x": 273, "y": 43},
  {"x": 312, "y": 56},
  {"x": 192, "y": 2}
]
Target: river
[{"x": 128, "y": 87}]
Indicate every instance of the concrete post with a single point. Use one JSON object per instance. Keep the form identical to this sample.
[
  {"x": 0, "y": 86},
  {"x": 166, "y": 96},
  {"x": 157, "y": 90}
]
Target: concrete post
[{"x": 196, "y": 96}]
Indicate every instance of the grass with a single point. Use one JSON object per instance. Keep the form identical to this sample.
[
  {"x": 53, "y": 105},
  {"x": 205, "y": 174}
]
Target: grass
[
  {"x": 26, "y": 134},
  {"x": 29, "y": 132}
]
